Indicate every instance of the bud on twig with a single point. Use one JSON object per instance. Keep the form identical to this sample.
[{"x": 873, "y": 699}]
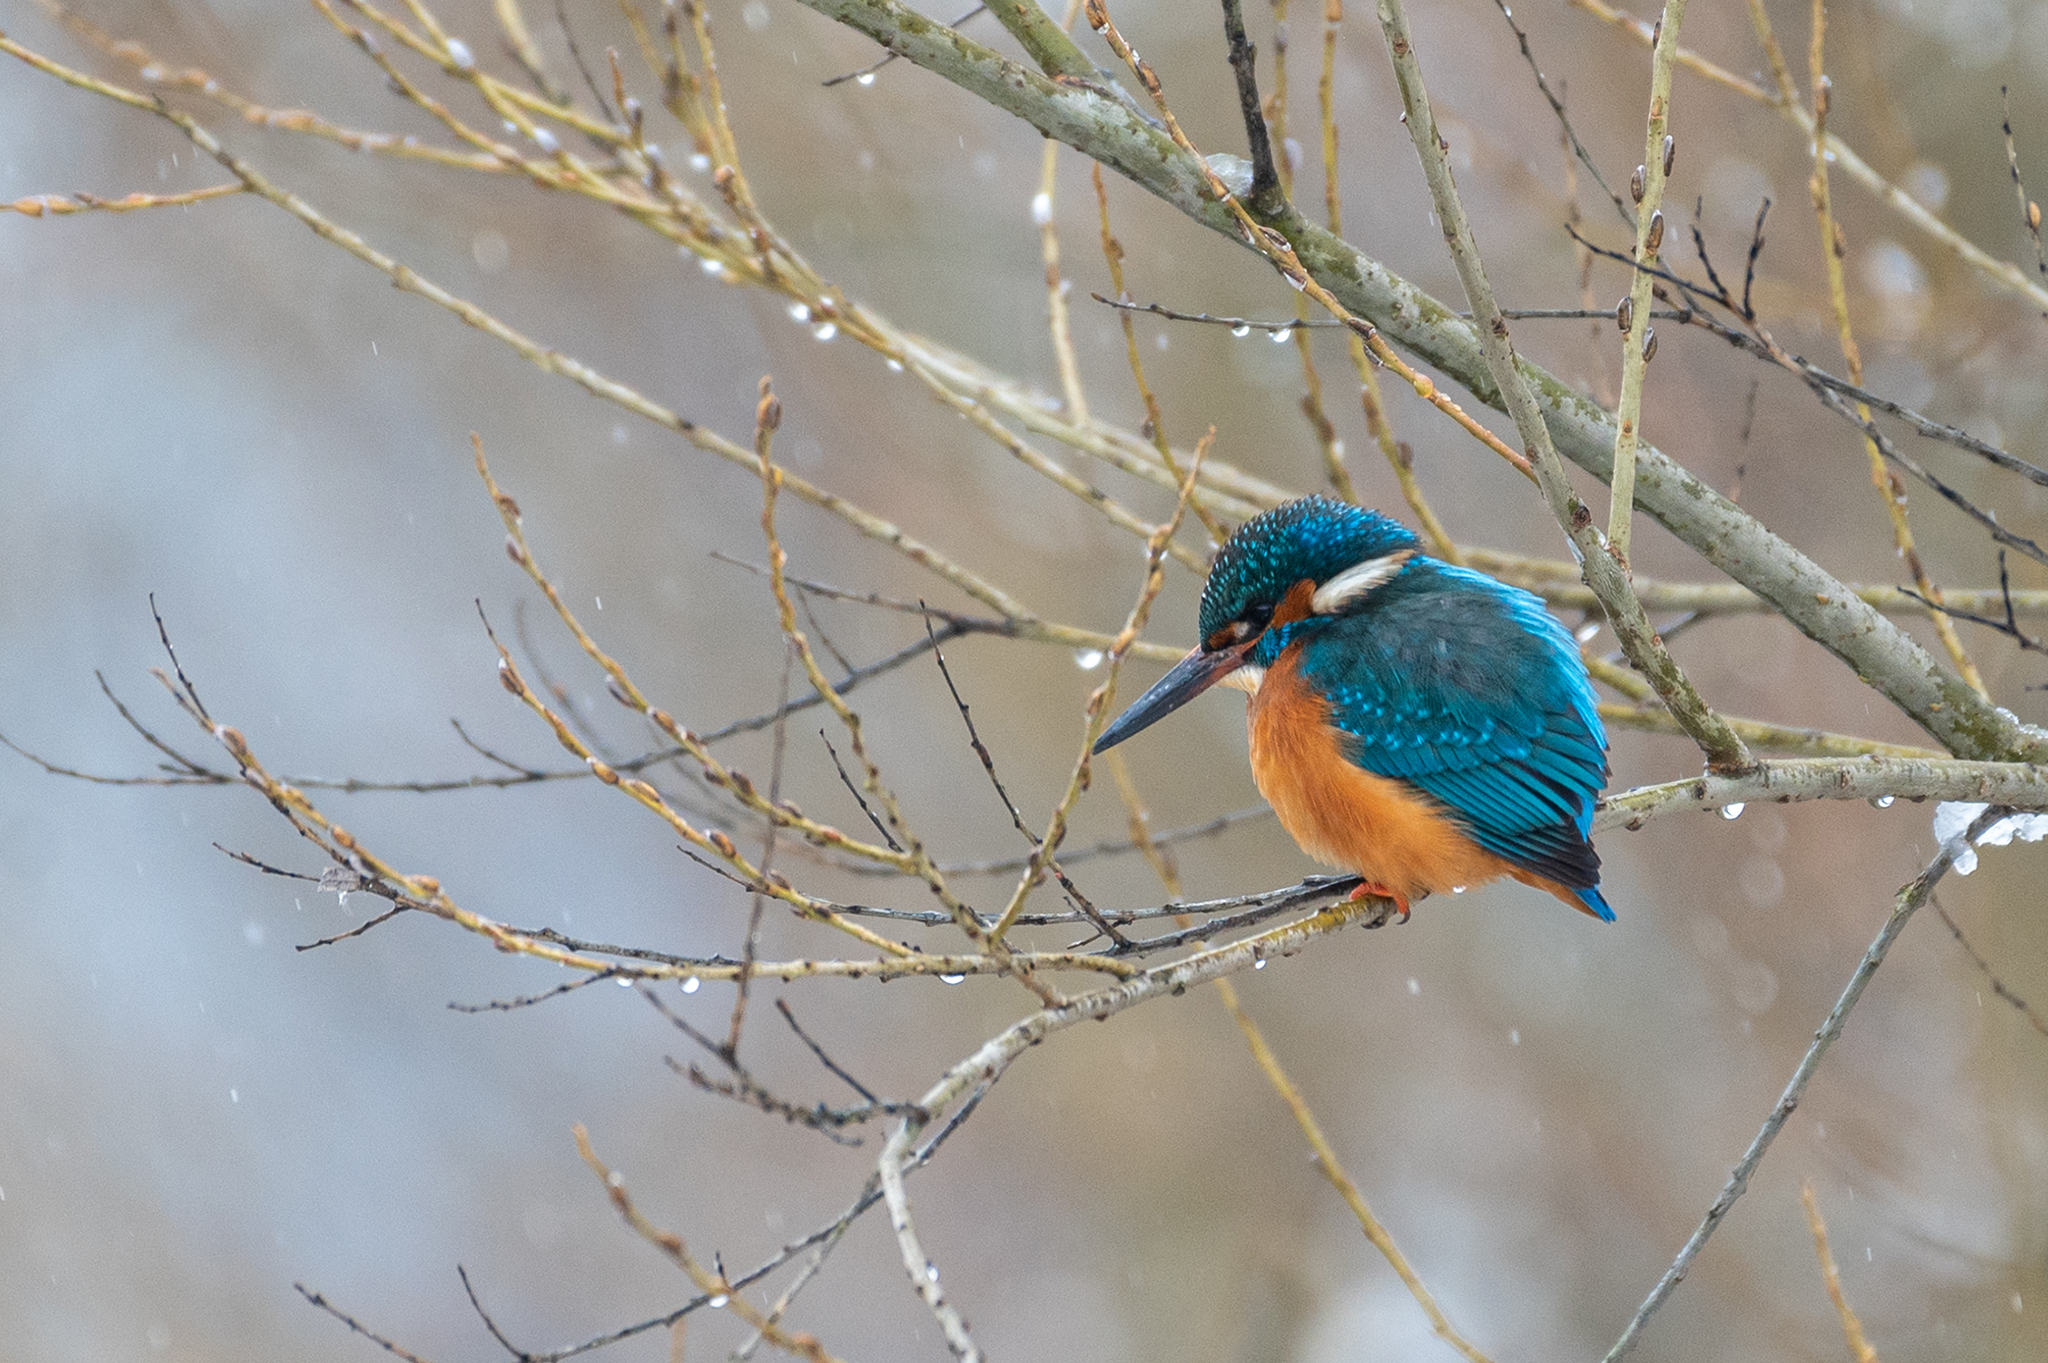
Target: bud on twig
[
  {"x": 1670, "y": 152},
  {"x": 1655, "y": 237},
  {"x": 1625, "y": 313},
  {"x": 1649, "y": 344},
  {"x": 1636, "y": 184}
]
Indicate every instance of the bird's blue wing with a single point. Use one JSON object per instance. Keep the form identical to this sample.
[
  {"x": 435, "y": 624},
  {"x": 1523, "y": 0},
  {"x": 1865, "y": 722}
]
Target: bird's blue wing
[{"x": 1472, "y": 691}]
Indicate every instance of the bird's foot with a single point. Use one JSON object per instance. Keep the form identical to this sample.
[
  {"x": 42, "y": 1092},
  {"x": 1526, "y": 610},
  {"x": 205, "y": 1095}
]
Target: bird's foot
[{"x": 1372, "y": 889}]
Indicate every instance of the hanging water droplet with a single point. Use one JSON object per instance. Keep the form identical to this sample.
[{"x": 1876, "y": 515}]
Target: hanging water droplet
[
  {"x": 1584, "y": 634},
  {"x": 1241, "y": 330},
  {"x": 931, "y": 1273},
  {"x": 1881, "y": 802},
  {"x": 895, "y": 365},
  {"x": 799, "y": 312},
  {"x": 825, "y": 331},
  {"x": 1733, "y": 811},
  {"x": 718, "y": 1302},
  {"x": 1283, "y": 335},
  {"x": 459, "y": 53},
  {"x": 1258, "y": 965},
  {"x": 865, "y": 78},
  {"x": 711, "y": 267},
  {"x": 625, "y": 983},
  {"x": 1041, "y": 209},
  {"x": 690, "y": 986},
  {"x": 1087, "y": 659},
  {"x": 951, "y": 979},
  {"x": 1457, "y": 889}
]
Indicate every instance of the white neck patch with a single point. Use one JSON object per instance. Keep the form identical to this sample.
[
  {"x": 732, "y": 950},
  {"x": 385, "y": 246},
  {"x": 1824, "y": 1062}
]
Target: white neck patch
[
  {"x": 1246, "y": 679},
  {"x": 1358, "y": 581}
]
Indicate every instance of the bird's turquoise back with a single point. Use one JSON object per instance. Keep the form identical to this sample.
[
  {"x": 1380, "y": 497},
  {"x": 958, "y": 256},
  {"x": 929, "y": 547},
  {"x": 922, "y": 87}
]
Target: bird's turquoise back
[{"x": 1471, "y": 691}]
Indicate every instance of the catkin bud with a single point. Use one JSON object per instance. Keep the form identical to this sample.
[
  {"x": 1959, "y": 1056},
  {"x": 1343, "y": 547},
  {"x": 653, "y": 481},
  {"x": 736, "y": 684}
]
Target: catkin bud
[
  {"x": 1649, "y": 344},
  {"x": 1670, "y": 152},
  {"x": 1625, "y": 313},
  {"x": 1636, "y": 185},
  {"x": 1654, "y": 239}
]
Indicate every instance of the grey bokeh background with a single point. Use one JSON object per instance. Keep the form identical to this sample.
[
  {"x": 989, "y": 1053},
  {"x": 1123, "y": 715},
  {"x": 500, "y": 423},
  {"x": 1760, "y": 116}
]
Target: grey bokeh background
[{"x": 213, "y": 406}]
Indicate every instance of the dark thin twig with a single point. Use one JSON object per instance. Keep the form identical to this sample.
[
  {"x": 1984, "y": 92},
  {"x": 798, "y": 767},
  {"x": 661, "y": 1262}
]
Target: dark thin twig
[
  {"x": 2030, "y": 212},
  {"x": 1265, "y": 196},
  {"x": 529, "y": 1000},
  {"x": 811, "y": 699},
  {"x": 211, "y": 778},
  {"x": 185, "y": 763},
  {"x": 744, "y": 1088},
  {"x": 854, "y": 791},
  {"x": 1557, "y": 107},
  {"x": 1910, "y": 898},
  {"x": 352, "y": 1323},
  {"x": 1831, "y": 390},
  {"x": 803, "y": 598},
  {"x": 1699, "y": 246},
  {"x": 164, "y": 633},
  {"x": 988, "y": 764},
  {"x": 576, "y": 55},
  {"x": 1756, "y": 249},
  {"x": 1311, "y": 891},
  {"x": 2034, "y": 1019},
  {"x": 485, "y": 1316},
  {"x": 1113, "y": 847},
  {"x": 359, "y": 929},
  {"x": 969, "y": 624},
  {"x": 2008, "y": 626},
  {"x": 856, "y": 1085},
  {"x": 265, "y": 866},
  {"x": 530, "y": 773}
]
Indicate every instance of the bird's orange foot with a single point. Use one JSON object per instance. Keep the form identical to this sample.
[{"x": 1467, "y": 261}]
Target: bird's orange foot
[{"x": 1372, "y": 889}]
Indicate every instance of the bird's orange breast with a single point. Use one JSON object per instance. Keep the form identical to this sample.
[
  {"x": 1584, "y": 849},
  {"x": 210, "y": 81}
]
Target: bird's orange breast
[{"x": 1343, "y": 815}]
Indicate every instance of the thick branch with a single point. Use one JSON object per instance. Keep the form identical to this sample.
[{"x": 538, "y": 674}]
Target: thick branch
[{"x": 1733, "y": 541}]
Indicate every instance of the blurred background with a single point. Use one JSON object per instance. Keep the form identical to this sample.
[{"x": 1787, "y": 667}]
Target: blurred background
[{"x": 212, "y": 405}]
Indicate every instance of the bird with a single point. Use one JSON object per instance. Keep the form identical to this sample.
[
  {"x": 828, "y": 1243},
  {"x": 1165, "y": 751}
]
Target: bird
[{"x": 1414, "y": 721}]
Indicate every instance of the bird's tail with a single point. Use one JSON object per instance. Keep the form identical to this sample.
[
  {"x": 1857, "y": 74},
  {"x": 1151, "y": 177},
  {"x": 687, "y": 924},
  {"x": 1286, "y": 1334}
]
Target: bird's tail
[
  {"x": 1591, "y": 901},
  {"x": 1586, "y": 899}
]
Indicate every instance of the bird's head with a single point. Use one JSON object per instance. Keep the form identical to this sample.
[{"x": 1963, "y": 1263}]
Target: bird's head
[{"x": 1303, "y": 560}]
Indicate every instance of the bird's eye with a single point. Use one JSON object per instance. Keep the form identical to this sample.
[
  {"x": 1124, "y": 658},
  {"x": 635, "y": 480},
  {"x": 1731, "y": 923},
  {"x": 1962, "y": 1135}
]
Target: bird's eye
[{"x": 1256, "y": 618}]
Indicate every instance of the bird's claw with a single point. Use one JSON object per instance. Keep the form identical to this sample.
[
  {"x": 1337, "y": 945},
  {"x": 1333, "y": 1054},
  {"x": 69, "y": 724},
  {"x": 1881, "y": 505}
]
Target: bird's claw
[{"x": 1372, "y": 889}]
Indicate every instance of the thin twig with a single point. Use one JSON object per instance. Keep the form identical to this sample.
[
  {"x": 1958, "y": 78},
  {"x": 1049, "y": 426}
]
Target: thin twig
[
  {"x": 1998, "y": 986},
  {"x": 1640, "y": 342},
  {"x": 988, "y": 765},
  {"x": 1564, "y": 122},
  {"x": 1834, "y": 246},
  {"x": 1909, "y": 899},
  {"x": 2030, "y": 212},
  {"x": 1852, "y": 1328}
]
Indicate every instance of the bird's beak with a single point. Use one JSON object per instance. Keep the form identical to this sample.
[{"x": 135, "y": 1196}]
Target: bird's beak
[{"x": 1190, "y": 677}]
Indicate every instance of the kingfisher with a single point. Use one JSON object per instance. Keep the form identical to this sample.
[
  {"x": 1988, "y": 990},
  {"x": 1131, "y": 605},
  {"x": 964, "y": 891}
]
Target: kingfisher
[{"x": 1411, "y": 720}]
